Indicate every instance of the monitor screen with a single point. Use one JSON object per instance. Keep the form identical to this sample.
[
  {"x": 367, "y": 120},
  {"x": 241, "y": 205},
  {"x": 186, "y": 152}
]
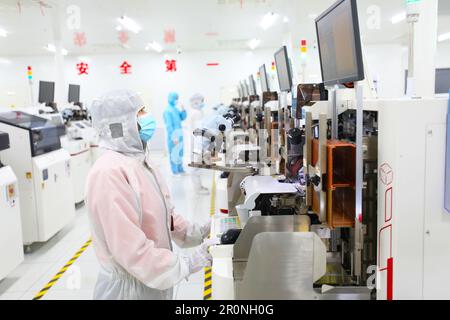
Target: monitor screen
[
  {"x": 447, "y": 170},
  {"x": 442, "y": 81},
  {"x": 246, "y": 89},
  {"x": 4, "y": 141},
  {"x": 74, "y": 93},
  {"x": 241, "y": 85},
  {"x": 283, "y": 69},
  {"x": 252, "y": 82},
  {"x": 264, "y": 79},
  {"x": 46, "y": 92},
  {"x": 340, "y": 44}
]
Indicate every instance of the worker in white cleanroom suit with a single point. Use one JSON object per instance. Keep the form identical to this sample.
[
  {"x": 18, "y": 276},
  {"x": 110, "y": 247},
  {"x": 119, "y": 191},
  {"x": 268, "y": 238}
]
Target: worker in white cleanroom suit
[
  {"x": 133, "y": 221},
  {"x": 196, "y": 122}
]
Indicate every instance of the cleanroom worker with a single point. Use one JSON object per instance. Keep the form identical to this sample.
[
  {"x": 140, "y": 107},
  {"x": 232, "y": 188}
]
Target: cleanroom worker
[
  {"x": 132, "y": 219},
  {"x": 173, "y": 118},
  {"x": 196, "y": 122}
]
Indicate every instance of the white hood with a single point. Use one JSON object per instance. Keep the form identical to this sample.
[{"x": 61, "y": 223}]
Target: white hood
[{"x": 114, "y": 115}]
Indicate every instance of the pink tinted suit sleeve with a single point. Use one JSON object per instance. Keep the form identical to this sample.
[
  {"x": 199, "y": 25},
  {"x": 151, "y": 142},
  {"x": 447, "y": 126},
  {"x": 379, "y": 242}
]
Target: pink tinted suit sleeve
[
  {"x": 186, "y": 235},
  {"x": 114, "y": 203}
]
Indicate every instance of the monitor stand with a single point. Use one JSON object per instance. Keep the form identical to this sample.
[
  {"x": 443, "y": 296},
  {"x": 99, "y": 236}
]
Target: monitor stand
[{"x": 52, "y": 105}]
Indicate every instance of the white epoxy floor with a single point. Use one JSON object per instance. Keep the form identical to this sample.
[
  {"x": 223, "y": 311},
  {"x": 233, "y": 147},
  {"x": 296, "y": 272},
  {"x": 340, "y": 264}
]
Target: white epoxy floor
[{"x": 78, "y": 282}]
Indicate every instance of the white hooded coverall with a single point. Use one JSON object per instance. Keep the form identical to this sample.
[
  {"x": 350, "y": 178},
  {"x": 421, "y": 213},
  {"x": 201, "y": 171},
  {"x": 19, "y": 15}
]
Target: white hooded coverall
[{"x": 131, "y": 215}]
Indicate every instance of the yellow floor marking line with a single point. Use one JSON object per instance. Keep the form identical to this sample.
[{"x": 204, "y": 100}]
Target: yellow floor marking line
[
  {"x": 207, "y": 293},
  {"x": 61, "y": 272}
]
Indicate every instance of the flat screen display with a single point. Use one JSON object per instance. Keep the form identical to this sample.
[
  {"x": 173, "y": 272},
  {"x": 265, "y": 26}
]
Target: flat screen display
[
  {"x": 264, "y": 79},
  {"x": 74, "y": 93},
  {"x": 46, "y": 92},
  {"x": 241, "y": 85},
  {"x": 252, "y": 88},
  {"x": 340, "y": 44},
  {"x": 241, "y": 95},
  {"x": 442, "y": 81},
  {"x": 246, "y": 89},
  {"x": 283, "y": 69}
]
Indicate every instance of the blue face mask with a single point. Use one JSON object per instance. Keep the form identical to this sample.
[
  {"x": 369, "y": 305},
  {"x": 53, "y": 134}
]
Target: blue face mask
[{"x": 148, "y": 128}]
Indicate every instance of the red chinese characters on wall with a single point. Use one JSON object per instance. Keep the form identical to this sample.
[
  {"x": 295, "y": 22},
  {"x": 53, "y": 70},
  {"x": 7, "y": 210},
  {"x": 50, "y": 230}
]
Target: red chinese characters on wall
[
  {"x": 123, "y": 37},
  {"x": 169, "y": 36},
  {"x": 82, "y": 68},
  {"x": 79, "y": 39},
  {"x": 125, "y": 68},
  {"x": 171, "y": 65}
]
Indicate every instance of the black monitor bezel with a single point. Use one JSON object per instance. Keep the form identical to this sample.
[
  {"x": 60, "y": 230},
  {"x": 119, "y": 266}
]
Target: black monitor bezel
[
  {"x": 262, "y": 70},
  {"x": 357, "y": 40},
  {"x": 40, "y": 91},
  {"x": 252, "y": 86},
  {"x": 289, "y": 71},
  {"x": 242, "y": 89},
  {"x": 79, "y": 93},
  {"x": 240, "y": 93},
  {"x": 246, "y": 89}
]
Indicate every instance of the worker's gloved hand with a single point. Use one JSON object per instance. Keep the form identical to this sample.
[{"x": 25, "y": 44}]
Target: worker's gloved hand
[
  {"x": 206, "y": 229},
  {"x": 201, "y": 258}
]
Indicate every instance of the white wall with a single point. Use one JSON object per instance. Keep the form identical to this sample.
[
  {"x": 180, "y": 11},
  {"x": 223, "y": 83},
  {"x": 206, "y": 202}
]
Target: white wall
[
  {"x": 387, "y": 64},
  {"x": 149, "y": 76}
]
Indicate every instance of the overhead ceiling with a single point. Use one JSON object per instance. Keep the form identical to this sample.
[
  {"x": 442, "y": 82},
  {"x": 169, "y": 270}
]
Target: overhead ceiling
[{"x": 197, "y": 24}]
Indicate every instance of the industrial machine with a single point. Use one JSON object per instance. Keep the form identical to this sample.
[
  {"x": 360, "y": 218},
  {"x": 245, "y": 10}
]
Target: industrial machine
[
  {"x": 82, "y": 129},
  {"x": 76, "y": 111},
  {"x": 267, "y": 196},
  {"x": 11, "y": 244},
  {"x": 44, "y": 174},
  {"x": 80, "y": 163},
  {"x": 372, "y": 188},
  {"x": 47, "y": 97}
]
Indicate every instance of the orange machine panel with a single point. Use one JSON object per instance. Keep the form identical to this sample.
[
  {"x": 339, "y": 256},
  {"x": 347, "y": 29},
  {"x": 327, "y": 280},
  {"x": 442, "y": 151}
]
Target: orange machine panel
[
  {"x": 341, "y": 160},
  {"x": 341, "y": 172}
]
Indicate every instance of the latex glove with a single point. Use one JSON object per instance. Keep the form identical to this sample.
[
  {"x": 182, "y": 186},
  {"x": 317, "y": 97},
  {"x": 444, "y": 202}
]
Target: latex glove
[
  {"x": 206, "y": 229},
  {"x": 201, "y": 258}
]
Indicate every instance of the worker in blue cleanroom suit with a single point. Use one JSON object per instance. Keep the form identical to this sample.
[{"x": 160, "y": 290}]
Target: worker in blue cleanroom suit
[{"x": 173, "y": 118}]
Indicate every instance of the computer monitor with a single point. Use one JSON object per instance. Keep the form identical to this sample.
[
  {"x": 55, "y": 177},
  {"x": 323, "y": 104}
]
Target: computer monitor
[
  {"x": 340, "y": 44},
  {"x": 241, "y": 94},
  {"x": 442, "y": 81},
  {"x": 74, "y": 93},
  {"x": 241, "y": 85},
  {"x": 4, "y": 142},
  {"x": 46, "y": 92},
  {"x": 264, "y": 79},
  {"x": 252, "y": 82},
  {"x": 246, "y": 89},
  {"x": 283, "y": 69}
]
